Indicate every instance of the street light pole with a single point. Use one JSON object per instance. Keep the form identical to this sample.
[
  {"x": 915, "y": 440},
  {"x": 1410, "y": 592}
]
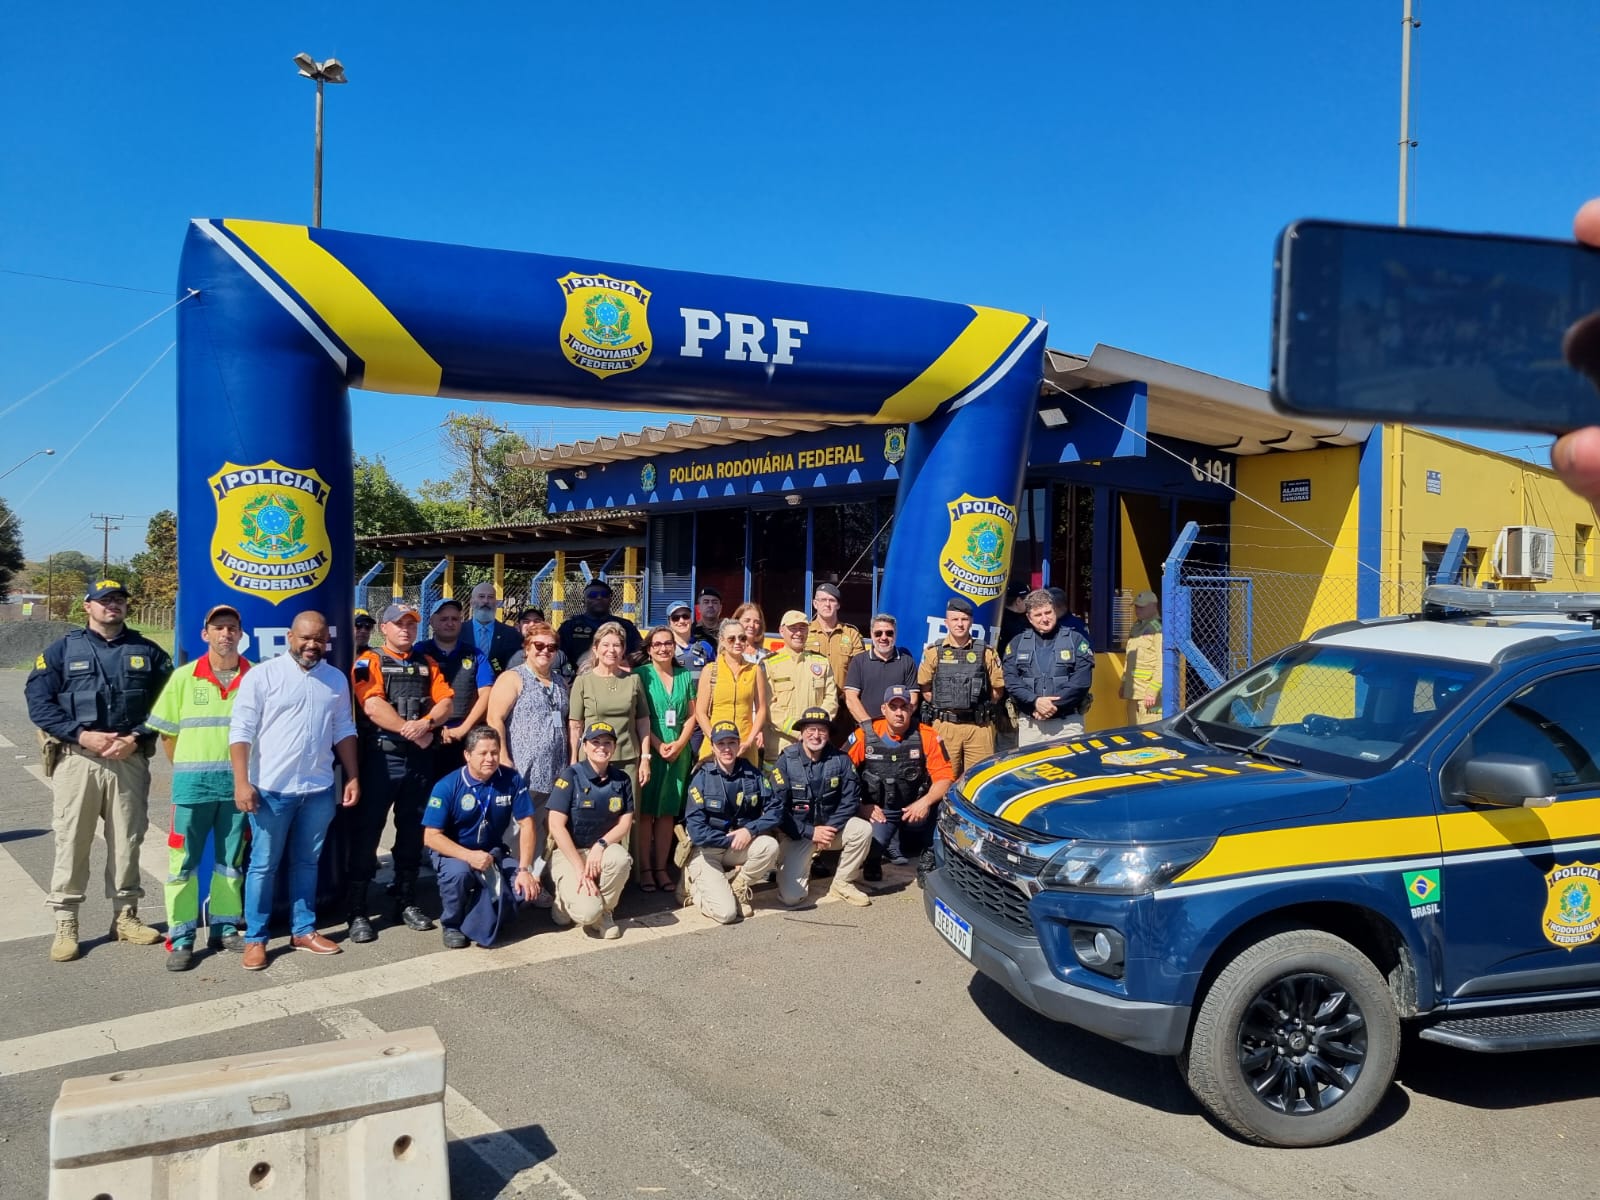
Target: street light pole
[
  {"x": 1407, "y": 24},
  {"x": 25, "y": 461},
  {"x": 329, "y": 71}
]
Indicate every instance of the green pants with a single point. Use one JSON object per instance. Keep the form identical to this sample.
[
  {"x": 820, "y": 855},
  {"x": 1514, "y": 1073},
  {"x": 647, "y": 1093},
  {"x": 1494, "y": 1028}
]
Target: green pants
[{"x": 192, "y": 824}]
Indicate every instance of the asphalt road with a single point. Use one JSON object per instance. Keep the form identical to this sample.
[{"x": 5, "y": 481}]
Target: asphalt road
[{"x": 824, "y": 1053}]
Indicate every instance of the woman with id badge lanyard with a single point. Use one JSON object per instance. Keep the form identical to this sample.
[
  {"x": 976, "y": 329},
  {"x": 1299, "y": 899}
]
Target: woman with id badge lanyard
[
  {"x": 528, "y": 709},
  {"x": 669, "y": 692}
]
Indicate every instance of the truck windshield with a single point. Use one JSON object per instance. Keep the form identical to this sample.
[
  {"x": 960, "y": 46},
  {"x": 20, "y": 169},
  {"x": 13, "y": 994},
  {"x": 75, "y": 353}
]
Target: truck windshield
[{"x": 1338, "y": 709}]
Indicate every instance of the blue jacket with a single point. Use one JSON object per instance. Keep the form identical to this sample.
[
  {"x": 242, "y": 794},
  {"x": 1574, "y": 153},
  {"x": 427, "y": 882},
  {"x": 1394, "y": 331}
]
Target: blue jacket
[
  {"x": 1058, "y": 663},
  {"x": 719, "y": 804},
  {"x": 825, "y": 792},
  {"x": 84, "y": 681}
]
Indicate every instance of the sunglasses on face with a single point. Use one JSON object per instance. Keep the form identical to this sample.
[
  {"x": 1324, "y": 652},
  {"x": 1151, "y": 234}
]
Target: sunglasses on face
[
  {"x": 597, "y": 595},
  {"x": 544, "y": 647},
  {"x": 663, "y": 645},
  {"x": 680, "y": 616},
  {"x": 882, "y": 633},
  {"x": 737, "y": 637}
]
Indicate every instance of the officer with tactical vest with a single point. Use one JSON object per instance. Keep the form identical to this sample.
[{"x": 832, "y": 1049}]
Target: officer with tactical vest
[
  {"x": 820, "y": 793},
  {"x": 1049, "y": 670},
  {"x": 904, "y": 774},
  {"x": 591, "y": 815},
  {"x": 89, "y": 693},
  {"x": 730, "y": 818},
  {"x": 461, "y": 664},
  {"x": 403, "y": 699},
  {"x": 962, "y": 682}
]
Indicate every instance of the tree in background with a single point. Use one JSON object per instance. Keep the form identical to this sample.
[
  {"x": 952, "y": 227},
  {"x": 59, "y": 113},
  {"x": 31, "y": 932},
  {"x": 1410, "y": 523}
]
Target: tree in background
[
  {"x": 11, "y": 560},
  {"x": 63, "y": 579},
  {"x": 156, "y": 566},
  {"x": 485, "y": 487},
  {"x": 382, "y": 505}
]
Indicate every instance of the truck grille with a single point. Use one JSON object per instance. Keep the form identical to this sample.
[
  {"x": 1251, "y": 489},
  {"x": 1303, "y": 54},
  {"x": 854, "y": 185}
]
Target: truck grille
[{"x": 999, "y": 899}]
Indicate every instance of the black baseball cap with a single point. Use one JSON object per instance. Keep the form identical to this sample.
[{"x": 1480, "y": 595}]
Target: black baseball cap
[{"x": 813, "y": 716}]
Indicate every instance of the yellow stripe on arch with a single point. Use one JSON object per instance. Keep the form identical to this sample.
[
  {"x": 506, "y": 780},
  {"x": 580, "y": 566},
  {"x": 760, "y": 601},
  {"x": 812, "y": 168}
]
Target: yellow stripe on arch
[
  {"x": 394, "y": 360},
  {"x": 976, "y": 348}
]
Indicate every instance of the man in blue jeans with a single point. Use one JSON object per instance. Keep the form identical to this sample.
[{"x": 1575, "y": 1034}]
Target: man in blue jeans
[{"x": 288, "y": 714}]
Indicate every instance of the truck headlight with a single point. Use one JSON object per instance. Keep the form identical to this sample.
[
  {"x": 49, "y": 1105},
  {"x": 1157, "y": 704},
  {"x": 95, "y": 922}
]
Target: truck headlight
[{"x": 1124, "y": 867}]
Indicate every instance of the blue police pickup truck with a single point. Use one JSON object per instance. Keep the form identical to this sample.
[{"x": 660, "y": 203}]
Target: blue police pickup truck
[{"x": 1394, "y": 821}]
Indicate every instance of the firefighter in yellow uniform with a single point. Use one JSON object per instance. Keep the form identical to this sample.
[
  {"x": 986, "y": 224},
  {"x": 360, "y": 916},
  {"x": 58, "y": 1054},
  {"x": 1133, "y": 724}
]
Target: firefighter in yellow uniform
[
  {"x": 962, "y": 682},
  {"x": 800, "y": 680},
  {"x": 1141, "y": 679}
]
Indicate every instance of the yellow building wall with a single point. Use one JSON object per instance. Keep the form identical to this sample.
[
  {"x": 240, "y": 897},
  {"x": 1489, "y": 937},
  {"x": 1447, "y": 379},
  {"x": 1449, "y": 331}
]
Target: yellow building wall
[
  {"x": 1482, "y": 492},
  {"x": 1303, "y": 574}
]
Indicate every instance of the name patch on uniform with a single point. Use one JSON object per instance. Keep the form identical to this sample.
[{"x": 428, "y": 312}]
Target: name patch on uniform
[{"x": 77, "y": 664}]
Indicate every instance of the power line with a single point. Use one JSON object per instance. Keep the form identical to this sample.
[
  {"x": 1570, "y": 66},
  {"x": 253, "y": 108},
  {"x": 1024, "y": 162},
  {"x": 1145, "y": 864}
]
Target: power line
[
  {"x": 6, "y": 412},
  {"x": 106, "y": 528},
  {"x": 120, "y": 287}
]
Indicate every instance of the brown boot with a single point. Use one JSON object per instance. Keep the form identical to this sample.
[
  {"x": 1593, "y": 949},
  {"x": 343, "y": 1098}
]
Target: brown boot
[
  {"x": 128, "y": 928},
  {"x": 65, "y": 947}
]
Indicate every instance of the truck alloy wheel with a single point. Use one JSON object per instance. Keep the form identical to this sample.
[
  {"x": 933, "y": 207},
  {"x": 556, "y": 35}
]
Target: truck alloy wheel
[{"x": 1295, "y": 1042}]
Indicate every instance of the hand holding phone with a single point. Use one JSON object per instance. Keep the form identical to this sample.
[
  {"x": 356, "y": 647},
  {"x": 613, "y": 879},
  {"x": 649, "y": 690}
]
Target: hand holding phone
[{"x": 1389, "y": 324}]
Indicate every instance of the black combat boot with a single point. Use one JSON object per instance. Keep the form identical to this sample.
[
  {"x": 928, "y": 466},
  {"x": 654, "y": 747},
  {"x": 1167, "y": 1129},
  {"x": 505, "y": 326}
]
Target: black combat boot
[
  {"x": 405, "y": 902},
  {"x": 361, "y": 929}
]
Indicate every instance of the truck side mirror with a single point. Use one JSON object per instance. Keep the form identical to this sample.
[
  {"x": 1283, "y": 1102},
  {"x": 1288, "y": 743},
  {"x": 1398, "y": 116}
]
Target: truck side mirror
[{"x": 1506, "y": 781}]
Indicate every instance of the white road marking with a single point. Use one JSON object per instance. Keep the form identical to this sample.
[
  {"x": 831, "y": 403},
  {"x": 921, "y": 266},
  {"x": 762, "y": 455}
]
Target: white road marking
[
  {"x": 6, "y": 743},
  {"x": 154, "y": 844},
  {"x": 59, "y": 1047},
  {"x": 22, "y": 903},
  {"x": 500, "y": 1152}
]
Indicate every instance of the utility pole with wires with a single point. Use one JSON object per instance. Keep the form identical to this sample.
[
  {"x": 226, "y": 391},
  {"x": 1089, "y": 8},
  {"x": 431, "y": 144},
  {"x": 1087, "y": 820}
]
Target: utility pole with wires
[
  {"x": 1407, "y": 24},
  {"x": 106, "y": 530}
]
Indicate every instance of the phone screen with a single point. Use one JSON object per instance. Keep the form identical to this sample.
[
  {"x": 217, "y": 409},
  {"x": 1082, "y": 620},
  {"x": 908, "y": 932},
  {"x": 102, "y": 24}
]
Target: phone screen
[{"x": 1441, "y": 328}]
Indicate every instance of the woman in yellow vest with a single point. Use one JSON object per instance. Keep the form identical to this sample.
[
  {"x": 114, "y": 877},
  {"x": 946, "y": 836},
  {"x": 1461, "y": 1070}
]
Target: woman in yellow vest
[{"x": 733, "y": 689}]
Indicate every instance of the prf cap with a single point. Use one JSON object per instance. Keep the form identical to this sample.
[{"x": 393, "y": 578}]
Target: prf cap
[
  {"x": 363, "y": 617},
  {"x": 813, "y": 716},
  {"x": 103, "y": 589},
  {"x": 722, "y": 731},
  {"x": 599, "y": 729},
  {"x": 898, "y": 691}
]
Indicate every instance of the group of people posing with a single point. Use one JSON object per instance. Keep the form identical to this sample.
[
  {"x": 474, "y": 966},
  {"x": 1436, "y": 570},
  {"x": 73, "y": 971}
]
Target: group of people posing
[{"x": 530, "y": 764}]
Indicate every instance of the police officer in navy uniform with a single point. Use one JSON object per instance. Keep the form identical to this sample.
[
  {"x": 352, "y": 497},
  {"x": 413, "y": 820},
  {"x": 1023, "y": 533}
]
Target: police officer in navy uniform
[
  {"x": 89, "y": 693},
  {"x": 1049, "y": 669},
  {"x": 820, "y": 793},
  {"x": 730, "y": 818},
  {"x": 464, "y": 828},
  {"x": 591, "y": 815},
  {"x": 402, "y": 699},
  {"x": 576, "y": 633},
  {"x": 461, "y": 664}
]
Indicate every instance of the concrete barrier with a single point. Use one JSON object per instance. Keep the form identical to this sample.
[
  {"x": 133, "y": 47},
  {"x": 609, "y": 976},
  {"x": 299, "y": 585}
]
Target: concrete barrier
[{"x": 348, "y": 1119}]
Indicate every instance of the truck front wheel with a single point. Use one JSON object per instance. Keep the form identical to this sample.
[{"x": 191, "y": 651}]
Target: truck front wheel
[{"x": 1295, "y": 1042}]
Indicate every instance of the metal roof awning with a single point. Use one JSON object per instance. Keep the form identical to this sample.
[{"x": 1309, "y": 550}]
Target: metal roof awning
[
  {"x": 1183, "y": 403},
  {"x": 1196, "y": 407},
  {"x": 579, "y": 532}
]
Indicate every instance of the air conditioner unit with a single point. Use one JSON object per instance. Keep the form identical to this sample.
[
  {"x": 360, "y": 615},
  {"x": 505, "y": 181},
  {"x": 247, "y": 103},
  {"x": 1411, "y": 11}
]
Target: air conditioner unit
[{"x": 1525, "y": 552}]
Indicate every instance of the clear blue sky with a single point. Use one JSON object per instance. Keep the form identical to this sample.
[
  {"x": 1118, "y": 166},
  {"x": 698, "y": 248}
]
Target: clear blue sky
[{"x": 1121, "y": 168}]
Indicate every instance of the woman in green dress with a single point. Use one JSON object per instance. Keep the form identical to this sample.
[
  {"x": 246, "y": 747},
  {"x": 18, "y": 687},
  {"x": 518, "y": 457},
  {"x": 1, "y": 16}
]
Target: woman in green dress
[
  {"x": 669, "y": 691},
  {"x": 608, "y": 691}
]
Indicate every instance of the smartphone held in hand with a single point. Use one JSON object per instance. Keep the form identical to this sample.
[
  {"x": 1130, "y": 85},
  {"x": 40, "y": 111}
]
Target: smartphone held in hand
[{"x": 1436, "y": 328}]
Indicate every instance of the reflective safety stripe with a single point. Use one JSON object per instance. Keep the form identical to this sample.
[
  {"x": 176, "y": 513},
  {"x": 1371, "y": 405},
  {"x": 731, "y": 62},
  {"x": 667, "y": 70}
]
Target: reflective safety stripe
[{"x": 203, "y": 723}]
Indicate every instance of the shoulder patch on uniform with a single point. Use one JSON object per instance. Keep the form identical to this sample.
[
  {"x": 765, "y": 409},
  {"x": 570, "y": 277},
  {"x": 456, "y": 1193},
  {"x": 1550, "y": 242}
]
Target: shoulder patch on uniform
[
  {"x": 39, "y": 663},
  {"x": 561, "y": 782},
  {"x": 697, "y": 795},
  {"x": 777, "y": 775},
  {"x": 435, "y": 802},
  {"x": 362, "y": 666}
]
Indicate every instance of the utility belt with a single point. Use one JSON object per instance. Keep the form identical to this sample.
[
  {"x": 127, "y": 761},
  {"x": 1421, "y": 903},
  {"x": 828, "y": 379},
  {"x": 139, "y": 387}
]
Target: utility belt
[
  {"x": 388, "y": 743},
  {"x": 982, "y": 714}
]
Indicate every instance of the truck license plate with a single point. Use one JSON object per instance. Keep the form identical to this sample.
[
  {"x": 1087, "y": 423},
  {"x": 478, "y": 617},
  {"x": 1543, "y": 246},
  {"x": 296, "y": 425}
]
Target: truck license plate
[{"x": 956, "y": 931}]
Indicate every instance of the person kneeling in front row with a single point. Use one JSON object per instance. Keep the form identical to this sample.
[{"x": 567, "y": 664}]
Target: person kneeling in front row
[
  {"x": 729, "y": 818},
  {"x": 820, "y": 794},
  {"x": 464, "y": 827},
  {"x": 591, "y": 813}
]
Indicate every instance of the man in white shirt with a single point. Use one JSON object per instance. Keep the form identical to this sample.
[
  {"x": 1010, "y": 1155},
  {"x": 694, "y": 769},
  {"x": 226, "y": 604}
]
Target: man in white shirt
[{"x": 289, "y": 714}]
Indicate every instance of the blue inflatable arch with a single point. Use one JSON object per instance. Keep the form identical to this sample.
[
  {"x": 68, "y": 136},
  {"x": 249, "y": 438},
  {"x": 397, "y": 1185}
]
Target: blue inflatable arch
[{"x": 287, "y": 319}]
